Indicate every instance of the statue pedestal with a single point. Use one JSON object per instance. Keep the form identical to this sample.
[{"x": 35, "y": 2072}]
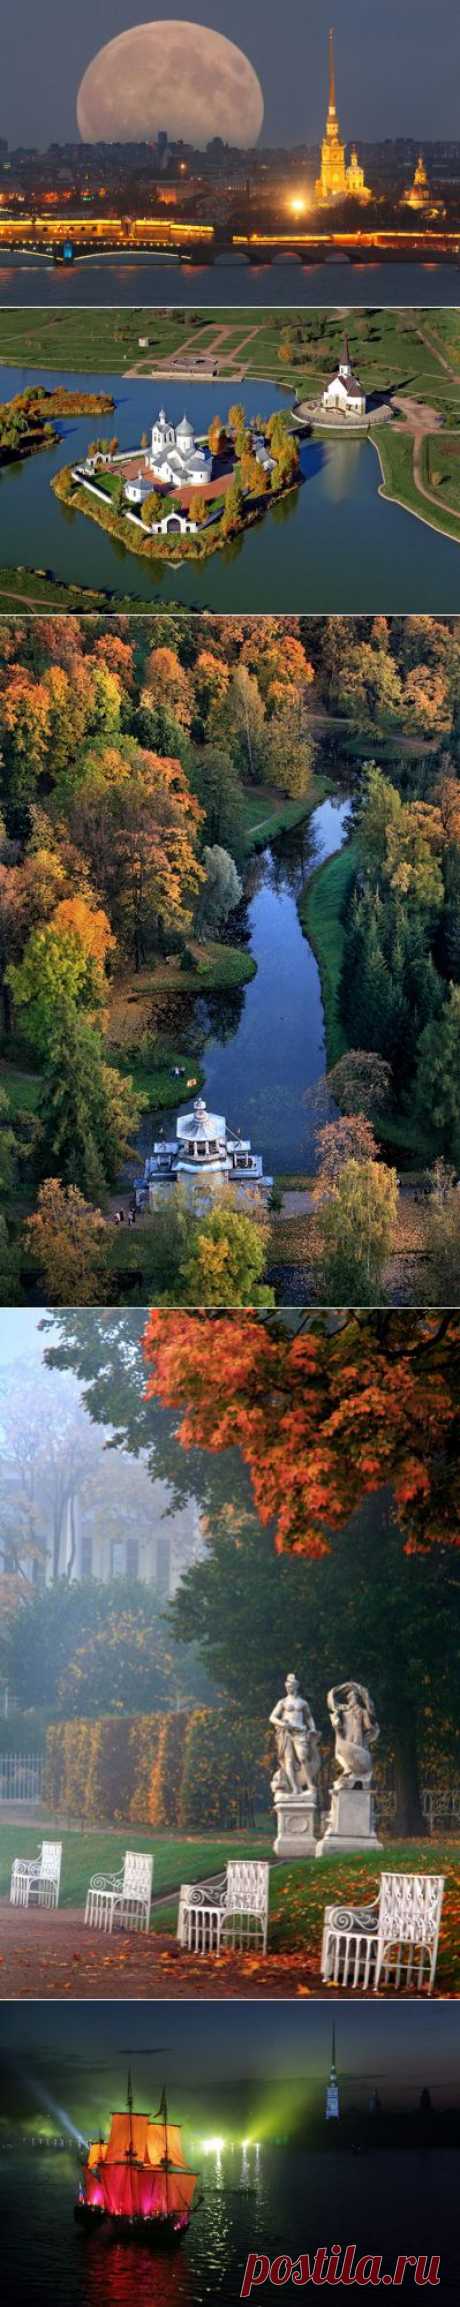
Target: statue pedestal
[
  {"x": 295, "y": 1825},
  {"x": 351, "y": 1821}
]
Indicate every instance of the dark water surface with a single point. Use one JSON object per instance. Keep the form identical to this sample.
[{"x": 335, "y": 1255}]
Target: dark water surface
[
  {"x": 292, "y": 2201},
  {"x": 266, "y": 1043},
  {"x": 96, "y": 281},
  {"x": 332, "y": 544}
]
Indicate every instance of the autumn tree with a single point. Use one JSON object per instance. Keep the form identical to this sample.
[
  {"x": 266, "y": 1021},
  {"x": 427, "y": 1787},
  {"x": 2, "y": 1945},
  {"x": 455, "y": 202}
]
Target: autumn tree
[
  {"x": 138, "y": 822},
  {"x": 233, "y": 503},
  {"x": 166, "y": 682},
  {"x": 63, "y": 966},
  {"x": 217, "y": 437},
  {"x": 244, "y": 719},
  {"x": 323, "y": 1413},
  {"x": 226, "y": 1262},
  {"x": 69, "y": 1241},
  {"x": 356, "y": 1223},
  {"x": 360, "y": 1083}
]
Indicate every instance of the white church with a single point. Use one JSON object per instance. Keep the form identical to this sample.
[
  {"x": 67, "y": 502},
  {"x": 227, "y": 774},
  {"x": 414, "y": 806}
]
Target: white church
[
  {"x": 174, "y": 459},
  {"x": 345, "y": 394}
]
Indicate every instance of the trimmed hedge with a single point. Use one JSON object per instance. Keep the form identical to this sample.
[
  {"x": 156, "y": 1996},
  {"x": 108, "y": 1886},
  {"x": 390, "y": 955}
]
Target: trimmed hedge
[
  {"x": 225, "y": 1763},
  {"x": 201, "y": 1767},
  {"x": 101, "y": 1769},
  {"x": 166, "y": 1777}
]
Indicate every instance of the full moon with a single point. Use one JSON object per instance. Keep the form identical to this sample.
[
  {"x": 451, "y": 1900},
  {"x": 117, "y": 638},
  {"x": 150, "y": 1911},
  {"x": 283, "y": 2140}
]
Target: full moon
[{"x": 181, "y": 77}]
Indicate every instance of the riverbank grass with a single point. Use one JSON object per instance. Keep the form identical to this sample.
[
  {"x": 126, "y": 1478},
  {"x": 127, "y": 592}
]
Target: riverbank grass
[
  {"x": 321, "y": 912},
  {"x": 266, "y": 812},
  {"x": 396, "y": 455}
]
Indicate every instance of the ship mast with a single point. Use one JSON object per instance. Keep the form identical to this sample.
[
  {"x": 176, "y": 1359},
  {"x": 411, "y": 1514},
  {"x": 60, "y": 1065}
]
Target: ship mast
[
  {"x": 129, "y": 2103},
  {"x": 164, "y": 2103}
]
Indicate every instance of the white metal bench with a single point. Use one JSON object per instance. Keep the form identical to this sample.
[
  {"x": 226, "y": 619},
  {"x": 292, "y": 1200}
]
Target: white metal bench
[
  {"x": 229, "y": 1911},
  {"x": 36, "y": 1881},
  {"x": 123, "y": 1899},
  {"x": 398, "y": 1933}
]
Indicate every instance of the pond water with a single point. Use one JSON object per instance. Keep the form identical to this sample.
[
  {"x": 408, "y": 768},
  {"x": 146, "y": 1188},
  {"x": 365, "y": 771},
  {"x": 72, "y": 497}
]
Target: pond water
[
  {"x": 96, "y": 281},
  {"x": 276, "y": 2201},
  {"x": 332, "y": 544},
  {"x": 265, "y": 1043}
]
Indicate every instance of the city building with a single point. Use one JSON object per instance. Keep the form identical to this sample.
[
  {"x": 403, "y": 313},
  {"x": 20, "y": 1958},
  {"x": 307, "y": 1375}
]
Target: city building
[
  {"x": 419, "y": 195},
  {"x": 345, "y": 394}
]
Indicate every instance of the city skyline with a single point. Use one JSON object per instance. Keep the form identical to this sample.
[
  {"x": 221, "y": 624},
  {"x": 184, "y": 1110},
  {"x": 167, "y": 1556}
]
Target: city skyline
[
  {"x": 375, "y": 100},
  {"x": 86, "y": 2049}
]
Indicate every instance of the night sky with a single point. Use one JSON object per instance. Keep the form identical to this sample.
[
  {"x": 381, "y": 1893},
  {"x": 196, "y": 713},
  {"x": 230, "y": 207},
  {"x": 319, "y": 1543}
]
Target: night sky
[
  {"x": 83, "y": 2050},
  {"x": 397, "y": 65}
]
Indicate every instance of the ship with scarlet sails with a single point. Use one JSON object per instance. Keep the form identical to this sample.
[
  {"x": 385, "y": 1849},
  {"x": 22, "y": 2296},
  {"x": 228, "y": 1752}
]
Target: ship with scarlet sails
[{"x": 137, "y": 2182}]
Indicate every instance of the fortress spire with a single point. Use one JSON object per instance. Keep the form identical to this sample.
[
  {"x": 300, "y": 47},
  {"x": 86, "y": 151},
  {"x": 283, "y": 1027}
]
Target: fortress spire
[
  {"x": 332, "y": 2109},
  {"x": 332, "y": 103},
  {"x": 337, "y": 181},
  {"x": 332, "y": 181}
]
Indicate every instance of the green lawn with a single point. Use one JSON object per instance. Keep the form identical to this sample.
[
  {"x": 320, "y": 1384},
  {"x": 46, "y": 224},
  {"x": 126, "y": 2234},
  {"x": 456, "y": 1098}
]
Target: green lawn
[
  {"x": 442, "y": 468},
  {"x": 396, "y": 459},
  {"x": 186, "y": 1858},
  {"x": 398, "y": 349},
  {"x": 320, "y": 911},
  {"x": 300, "y": 1893}
]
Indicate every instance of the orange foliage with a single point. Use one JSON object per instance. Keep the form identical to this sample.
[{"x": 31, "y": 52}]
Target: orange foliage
[{"x": 324, "y": 1416}]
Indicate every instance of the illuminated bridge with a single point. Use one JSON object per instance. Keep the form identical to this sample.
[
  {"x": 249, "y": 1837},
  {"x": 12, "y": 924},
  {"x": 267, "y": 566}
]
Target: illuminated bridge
[{"x": 188, "y": 239}]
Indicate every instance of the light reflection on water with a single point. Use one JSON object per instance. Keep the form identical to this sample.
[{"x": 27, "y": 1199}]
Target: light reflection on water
[
  {"x": 275, "y": 2200},
  {"x": 126, "y": 280}
]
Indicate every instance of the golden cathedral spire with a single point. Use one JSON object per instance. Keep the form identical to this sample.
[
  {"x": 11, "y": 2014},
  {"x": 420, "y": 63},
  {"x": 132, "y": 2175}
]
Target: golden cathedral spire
[
  {"x": 336, "y": 181},
  {"x": 332, "y": 180}
]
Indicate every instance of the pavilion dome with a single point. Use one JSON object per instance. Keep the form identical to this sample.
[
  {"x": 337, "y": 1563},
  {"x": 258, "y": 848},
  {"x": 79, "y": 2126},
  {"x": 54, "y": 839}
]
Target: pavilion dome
[{"x": 200, "y": 1123}]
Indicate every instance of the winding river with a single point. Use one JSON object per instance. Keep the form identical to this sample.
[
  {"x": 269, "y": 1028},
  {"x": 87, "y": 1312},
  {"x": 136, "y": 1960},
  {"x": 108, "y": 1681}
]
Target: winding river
[
  {"x": 265, "y": 1044},
  {"x": 332, "y": 544}
]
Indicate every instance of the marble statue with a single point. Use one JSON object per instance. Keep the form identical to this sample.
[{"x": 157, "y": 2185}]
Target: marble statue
[
  {"x": 297, "y": 1743},
  {"x": 356, "y": 1730}
]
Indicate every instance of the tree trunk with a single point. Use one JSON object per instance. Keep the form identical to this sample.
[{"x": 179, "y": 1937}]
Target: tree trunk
[{"x": 409, "y": 1817}]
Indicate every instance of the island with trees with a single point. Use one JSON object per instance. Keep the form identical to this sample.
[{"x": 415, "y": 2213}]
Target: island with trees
[
  {"x": 407, "y": 358},
  {"x": 149, "y": 795},
  {"x": 31, "y": 419},
  {"x": 219, "y": 488}
]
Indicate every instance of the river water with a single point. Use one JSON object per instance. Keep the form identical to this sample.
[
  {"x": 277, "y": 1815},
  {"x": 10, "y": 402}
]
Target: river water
[
  {"x": 332, "y": 544},
  {"x": 281, "y": 2201},
  {"x": 265, "y": 1043},
  {"x": 97, "y": 281}
]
